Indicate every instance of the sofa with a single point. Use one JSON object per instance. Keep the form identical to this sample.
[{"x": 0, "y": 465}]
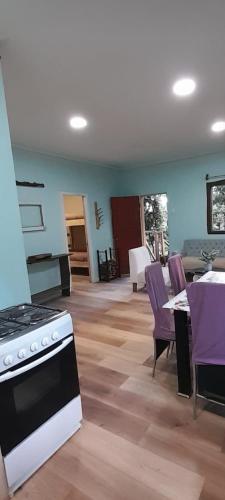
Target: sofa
[
  {"x": 139, "y": 258},
  {"x": 191, "y": 253}
]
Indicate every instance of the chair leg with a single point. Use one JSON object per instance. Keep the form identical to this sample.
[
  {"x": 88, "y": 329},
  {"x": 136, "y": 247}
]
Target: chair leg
[
  {"x": 154, "y": 362},
  {"x": 194, "y": 393},
  {"x": 134, "y": 287},
  {"x": 170, "y": 348},
  {"x": 168, "y": 351}
]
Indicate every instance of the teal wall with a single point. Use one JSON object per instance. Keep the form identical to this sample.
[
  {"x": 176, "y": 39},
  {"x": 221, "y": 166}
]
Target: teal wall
[
  {"x": 59, "y": 175},
  {"x": 14, "y": 287},
  {"x": 184, "y": 183}
]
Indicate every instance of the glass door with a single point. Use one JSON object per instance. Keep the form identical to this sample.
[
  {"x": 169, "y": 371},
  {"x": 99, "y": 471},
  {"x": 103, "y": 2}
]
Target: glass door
[{"x": 156, "y": 224}]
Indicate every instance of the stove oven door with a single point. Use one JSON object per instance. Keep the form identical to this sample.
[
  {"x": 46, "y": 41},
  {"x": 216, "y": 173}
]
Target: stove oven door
[{"x": 35, "y": 390}]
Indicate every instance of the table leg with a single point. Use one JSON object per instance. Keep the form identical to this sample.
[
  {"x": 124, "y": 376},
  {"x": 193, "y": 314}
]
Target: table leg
[
  {"x": 183, "y": 355},
  {"x": 65, "y": 274}
]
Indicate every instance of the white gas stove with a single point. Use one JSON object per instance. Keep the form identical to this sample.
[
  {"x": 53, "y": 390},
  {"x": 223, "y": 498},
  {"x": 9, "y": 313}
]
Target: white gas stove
[
  {"x": 26, "y": 330},
  {"x": 39, "y": 387}
]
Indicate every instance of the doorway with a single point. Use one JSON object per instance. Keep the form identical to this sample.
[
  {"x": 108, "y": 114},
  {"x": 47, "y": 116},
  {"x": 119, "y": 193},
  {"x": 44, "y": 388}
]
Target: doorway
[
  {"x": 76, "y": 232},
  {"x": 155, "y": 221},
  {"x": 126, "y": 225},
  {"x": 140, "y": 220}
]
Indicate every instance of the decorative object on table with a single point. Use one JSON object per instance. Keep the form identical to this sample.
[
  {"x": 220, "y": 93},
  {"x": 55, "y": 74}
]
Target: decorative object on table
[
  {"x": 32, "y": 218},
  {"x": 191, "y": 253},
  {"x": 98, "y": 215},
  {"x": 108, "y": 264},
  {"x": 30, "y": 184},
  {"x": 208, "y": 258}
]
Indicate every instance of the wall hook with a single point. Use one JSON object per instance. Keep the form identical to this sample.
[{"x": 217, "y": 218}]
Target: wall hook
[{"x": 98, "y": 215}]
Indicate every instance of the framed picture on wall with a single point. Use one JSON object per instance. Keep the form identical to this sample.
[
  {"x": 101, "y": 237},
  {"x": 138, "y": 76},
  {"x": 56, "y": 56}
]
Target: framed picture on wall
[{"x": 31, "y": 217}]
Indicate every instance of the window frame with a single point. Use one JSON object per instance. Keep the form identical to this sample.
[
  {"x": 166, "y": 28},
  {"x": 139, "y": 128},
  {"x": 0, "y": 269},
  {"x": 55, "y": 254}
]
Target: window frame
[
  {"x": 29, "y": 228},
  {"x": 209, "y": 187}
]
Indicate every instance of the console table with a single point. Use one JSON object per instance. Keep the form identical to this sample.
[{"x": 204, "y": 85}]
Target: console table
[{"x": 64, "y": 266}]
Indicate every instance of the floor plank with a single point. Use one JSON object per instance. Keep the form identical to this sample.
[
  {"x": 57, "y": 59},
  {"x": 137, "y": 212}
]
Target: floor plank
[{"x": 155, "y": 472}]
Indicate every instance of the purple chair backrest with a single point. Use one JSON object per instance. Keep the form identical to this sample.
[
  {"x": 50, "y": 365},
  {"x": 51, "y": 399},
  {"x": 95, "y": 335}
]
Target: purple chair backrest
[
  {"x": 177, "y": 274},
  {"x": 158, "y": 297},
  {"x": 207, "y": 307}
]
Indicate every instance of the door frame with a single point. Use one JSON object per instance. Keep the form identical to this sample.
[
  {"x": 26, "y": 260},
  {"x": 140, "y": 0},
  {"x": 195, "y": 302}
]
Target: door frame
[
  {"x": 142, "y": 218},
  {"x": 86, "y": 226}
]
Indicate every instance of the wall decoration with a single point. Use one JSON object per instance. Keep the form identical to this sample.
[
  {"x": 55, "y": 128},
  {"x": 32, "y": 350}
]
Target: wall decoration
[
  {"x": 98, "y": 215},
  {"x": 31, "y": 217},
  {"x": 30, "y": 184}
]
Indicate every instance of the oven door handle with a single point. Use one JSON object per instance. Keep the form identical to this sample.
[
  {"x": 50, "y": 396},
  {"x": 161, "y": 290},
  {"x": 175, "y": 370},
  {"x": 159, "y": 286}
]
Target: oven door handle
[{"x": 11, "y": 374}]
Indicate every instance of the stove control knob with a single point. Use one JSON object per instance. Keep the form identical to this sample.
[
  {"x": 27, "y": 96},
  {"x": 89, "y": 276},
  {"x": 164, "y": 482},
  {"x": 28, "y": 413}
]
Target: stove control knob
[
  {"x": 22, "y": 353},
  {"x": 55, "y": 335},
  {"x": 8, "y": 360},
  {"x": 45, "y": 341},
  {"x": 34, "y": 347}
]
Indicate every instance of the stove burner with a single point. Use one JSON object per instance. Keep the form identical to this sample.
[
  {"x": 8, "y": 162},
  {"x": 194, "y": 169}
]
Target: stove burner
[
  {"x": 28, "y": 314},
  {"x": 8, "y": 328}
]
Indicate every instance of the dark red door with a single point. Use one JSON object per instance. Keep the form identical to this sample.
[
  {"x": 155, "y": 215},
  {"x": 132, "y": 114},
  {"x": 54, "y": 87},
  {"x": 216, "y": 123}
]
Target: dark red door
[{"x": 126, "y": 224}]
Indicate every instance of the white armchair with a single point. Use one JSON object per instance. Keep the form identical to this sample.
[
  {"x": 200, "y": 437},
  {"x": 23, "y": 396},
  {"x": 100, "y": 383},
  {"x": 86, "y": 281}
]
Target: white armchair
[{"x": 139, "y": 258}]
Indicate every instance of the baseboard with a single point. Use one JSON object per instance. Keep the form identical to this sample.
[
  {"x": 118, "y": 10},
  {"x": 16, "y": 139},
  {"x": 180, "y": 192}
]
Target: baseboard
[
  {"x": 47, "y": 295},
  {"x": 80, "y": 271}
]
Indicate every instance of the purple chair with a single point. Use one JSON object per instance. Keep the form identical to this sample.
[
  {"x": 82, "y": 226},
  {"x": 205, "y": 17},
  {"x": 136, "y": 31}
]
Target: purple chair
[
  {"x": 164, "y": 331},
  {"x": 177, "y": 274},
  {"x": 207, "y": 307}
]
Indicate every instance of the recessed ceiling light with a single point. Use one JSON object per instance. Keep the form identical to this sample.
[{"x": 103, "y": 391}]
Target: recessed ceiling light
[
  {"x": 184, "y": 87},
  {"x": 218, "y": 127},
  {"x": 78, "y": 122}
]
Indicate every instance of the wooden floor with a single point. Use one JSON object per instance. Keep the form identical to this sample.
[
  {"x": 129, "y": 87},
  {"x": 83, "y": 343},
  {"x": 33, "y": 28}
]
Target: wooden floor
[{"x": 138, "y": 440}]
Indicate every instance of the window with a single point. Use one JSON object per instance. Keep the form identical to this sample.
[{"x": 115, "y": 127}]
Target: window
[
  {"x": 156, "y": 224},
  {"x": 216, "y": 207},
  {"x": 31, "y": 217}
]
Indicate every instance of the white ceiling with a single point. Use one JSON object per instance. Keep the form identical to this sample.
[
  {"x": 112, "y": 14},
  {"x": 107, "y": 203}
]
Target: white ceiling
[{"x": 114, "y": 61}]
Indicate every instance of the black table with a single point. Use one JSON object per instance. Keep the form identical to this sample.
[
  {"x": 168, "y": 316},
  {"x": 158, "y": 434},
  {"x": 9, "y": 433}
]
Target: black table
[
  {"x": 182, "y": 322},
  {"x": 64, "y": 266}
]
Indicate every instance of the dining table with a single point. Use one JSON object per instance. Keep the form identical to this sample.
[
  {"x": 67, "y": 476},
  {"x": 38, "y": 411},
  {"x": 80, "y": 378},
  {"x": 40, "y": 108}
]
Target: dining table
[{"x": 180, "y": 307}]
